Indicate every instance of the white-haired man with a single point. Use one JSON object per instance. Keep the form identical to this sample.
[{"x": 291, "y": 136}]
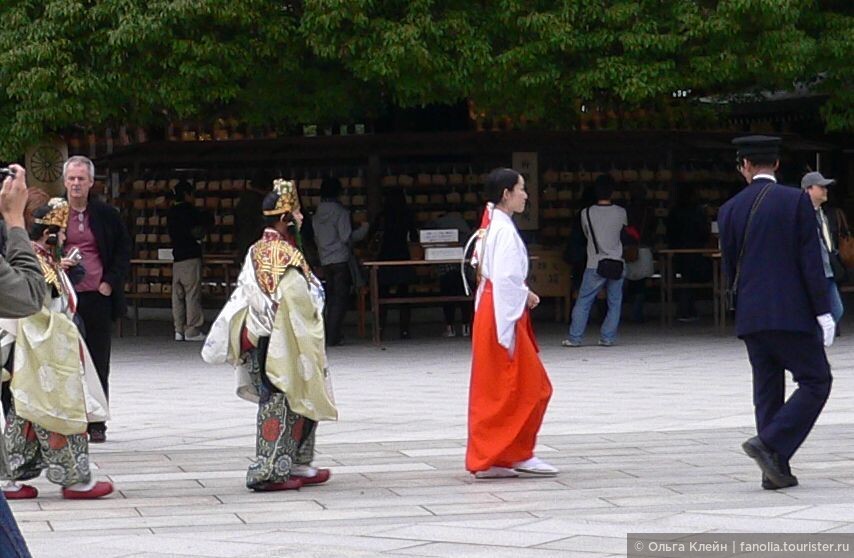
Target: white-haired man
[{"x": 96, "y": 229}]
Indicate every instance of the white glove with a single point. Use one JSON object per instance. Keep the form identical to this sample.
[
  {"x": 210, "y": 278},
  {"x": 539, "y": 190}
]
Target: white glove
[{"x": 828, "y": 328}]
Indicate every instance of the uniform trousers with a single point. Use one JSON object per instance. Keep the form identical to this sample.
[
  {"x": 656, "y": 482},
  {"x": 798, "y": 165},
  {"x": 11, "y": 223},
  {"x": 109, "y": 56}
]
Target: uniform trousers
[{"x": 783, "y": 425}]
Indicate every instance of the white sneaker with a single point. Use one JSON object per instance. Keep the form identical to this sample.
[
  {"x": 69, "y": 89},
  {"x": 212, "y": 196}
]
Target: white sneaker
[
  {"x": 535, "y": 466},
  {"x": 496, "y": 473},
  {"x": 449, "y": 332},
  {"x": 197, "y": 337},
  {"x": 179, "y": 336},
  {"x": 466, "y": 331}
]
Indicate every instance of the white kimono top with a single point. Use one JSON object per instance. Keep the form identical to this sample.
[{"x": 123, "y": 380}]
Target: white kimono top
[{"x": 504, "y": 262}]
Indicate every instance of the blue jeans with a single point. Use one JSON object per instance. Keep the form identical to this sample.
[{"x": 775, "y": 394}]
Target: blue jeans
[
  {"x": 836, "y": 308},
  {"x": 591, "y": 284},
  {"x": 12, "y": 544}
]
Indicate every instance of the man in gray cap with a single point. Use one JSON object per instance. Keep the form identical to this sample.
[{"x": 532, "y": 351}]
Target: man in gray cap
[
  {"x": 816, "y": 186},
  {"x": 771, "y": 255}
]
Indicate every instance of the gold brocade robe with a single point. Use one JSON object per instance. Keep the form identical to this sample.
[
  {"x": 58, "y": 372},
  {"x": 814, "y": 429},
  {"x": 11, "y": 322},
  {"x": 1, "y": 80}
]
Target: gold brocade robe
[
  {"x": 54, "y": 382},
  {"x": 278, "y": 297}
]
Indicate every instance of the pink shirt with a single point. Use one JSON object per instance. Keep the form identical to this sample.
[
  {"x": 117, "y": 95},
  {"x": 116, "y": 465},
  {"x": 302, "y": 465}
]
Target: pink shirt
[{"x": 79, "y": 233}]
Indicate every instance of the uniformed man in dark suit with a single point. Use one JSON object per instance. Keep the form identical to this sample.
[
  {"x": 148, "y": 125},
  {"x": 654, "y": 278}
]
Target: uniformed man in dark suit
[{"x": 772, "y": 258}]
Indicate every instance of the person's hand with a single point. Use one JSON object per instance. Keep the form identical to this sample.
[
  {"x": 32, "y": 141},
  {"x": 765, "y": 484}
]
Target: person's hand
[
  {"x": 13, "y": 197},
  {"x": 298, "y": 218},
  {"x": 105, "y": 289},
  {"x": 828, "y": 328},
  {"x": 66, "y": 263},
  {"x": 533, "y": 300}
]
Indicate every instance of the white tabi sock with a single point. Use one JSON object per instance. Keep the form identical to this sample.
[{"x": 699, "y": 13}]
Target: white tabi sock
[
  {"x": 83, "y": 486},
  {"x": 303, "y": 471},
  {"x": 11, "y": 486}
]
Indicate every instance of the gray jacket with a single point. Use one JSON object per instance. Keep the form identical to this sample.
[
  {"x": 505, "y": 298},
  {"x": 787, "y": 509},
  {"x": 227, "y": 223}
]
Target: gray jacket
[
  {"x": 21, "y": 278},
  {"x": 333, "y": 233}
]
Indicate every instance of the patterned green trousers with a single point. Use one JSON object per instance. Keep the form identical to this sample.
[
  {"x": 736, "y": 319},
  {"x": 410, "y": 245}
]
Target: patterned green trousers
[
  {"x": 284, "y": 438},
  {"x": 30, "y": 449}
]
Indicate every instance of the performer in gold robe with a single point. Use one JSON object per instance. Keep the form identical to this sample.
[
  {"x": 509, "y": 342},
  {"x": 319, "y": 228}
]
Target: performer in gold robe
[
  {"x": 271, "y": 331},
  {"x": 55, "y": 387}
]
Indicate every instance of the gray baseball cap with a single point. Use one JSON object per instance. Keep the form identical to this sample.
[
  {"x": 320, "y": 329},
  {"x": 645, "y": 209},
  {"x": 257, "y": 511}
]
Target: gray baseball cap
[{"x": 815, "y": 178}]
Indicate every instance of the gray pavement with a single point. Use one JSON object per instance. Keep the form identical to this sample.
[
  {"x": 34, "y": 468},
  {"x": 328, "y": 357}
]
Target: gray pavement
[{"x": 646, "y": 434}]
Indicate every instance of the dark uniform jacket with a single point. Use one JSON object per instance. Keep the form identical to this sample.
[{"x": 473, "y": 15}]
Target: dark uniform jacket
[{"x": 782, "y": 284}]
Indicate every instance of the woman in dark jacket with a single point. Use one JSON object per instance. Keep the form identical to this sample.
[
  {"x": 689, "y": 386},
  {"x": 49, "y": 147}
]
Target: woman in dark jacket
[
  {"x": 688, "y": 227},
  {"x": 395, "y": 227}
]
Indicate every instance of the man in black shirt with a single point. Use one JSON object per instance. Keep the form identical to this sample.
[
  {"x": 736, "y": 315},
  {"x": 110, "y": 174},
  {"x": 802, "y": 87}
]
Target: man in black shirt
[{"x": 187, "y": 226}]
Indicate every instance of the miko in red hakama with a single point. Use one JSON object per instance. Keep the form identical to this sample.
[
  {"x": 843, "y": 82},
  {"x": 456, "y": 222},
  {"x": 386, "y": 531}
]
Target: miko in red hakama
[{"x": 509, "y": 390}]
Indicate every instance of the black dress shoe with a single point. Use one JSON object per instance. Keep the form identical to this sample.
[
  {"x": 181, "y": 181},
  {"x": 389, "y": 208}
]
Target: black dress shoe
[
  {"x": 768, "y": 461},
  {"x": 768, "y": 485}
]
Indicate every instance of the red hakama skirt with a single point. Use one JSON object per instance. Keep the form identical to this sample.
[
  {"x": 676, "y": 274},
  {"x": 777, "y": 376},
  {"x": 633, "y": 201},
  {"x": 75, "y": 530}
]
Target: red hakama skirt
[{"x": 508, "y": 394}]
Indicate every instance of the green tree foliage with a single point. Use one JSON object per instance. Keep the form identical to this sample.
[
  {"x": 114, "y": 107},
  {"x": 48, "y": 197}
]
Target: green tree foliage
[
  {"x": 91, "y": 63},
  {"x": 543, "y": 58}
]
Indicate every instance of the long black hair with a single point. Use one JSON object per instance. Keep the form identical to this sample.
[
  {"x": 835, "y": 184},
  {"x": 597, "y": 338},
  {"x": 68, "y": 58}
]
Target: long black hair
[{"x": 497, "y": 181}]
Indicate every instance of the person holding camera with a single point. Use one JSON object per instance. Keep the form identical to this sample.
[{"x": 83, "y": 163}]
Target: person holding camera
[
  {"x": 23, "y": 289},
  {"x": 20, "y": 274},
  {"x": 96, "y": 229},
  {"x": 187, "y": 225},
  {"x": 55, "y": 388}
]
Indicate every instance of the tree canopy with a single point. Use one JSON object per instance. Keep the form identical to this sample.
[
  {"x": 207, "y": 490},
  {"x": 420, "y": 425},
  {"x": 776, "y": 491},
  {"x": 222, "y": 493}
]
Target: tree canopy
[{"x": 93, "y": 63}]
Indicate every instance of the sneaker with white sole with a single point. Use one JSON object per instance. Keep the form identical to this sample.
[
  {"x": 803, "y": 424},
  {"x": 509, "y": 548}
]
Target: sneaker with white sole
[
  {"x": 179, "y": 336},
  {"x": 449, "y": 332},
  {"x": 496, "y": 473},
  {"x": 570, "y": 343},
  {"x": 466, "y": 331},
  {"x": 603, "y": 343},
  {"x": 197, "y": 337},
  {"x": 535, "y": 466}
]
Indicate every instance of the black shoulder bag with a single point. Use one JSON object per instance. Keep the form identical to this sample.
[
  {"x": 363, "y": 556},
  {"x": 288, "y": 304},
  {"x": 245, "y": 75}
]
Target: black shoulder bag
[
  {"x": 608, "y": 268},
  {"x": 732, "y": 292}
]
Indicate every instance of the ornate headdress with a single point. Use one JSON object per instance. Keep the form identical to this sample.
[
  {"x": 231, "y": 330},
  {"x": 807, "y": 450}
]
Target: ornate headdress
[
  {"x": 57, "y": 214},
  {"x": 287, "y": 200}
]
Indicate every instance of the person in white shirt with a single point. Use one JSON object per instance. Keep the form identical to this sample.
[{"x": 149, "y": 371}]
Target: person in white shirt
[{"x": 602, "y": 224}]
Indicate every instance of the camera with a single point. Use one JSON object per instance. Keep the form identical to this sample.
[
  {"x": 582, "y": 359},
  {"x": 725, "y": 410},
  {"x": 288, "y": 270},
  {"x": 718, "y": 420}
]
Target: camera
[
  {"x": 6, "y": 171},
  {"x": 74, "y": 255}
]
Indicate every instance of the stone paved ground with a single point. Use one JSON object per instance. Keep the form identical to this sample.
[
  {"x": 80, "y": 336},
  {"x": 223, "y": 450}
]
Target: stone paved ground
[{"x": 647, "y": 435}]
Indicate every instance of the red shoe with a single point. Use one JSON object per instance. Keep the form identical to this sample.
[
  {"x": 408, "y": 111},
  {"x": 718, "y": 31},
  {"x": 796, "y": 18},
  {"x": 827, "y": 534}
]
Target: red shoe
[
  {"x": 26, "y": 492},
  {"x": 320, "y": 477},
  {"x": 290, "y": 484},
  {"x": 101, "y": 488}
]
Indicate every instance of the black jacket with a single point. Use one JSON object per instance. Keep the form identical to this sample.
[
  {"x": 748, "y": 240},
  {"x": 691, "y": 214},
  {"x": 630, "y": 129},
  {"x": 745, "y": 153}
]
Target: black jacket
[
  {"x": 114, "y": 249},
  {"x": 186, "y": 225}
]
